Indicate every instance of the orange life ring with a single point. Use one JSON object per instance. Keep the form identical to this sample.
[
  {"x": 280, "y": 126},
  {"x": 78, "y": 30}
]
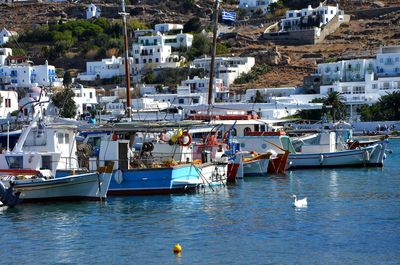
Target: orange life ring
[{"x": 181, "y": 139}]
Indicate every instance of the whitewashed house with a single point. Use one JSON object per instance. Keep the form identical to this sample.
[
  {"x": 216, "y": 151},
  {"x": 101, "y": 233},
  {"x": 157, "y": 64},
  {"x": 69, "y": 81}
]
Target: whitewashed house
[
  {"x": 5, "y": 35},
  {"x": 25, "y": 75},
  {"x": 200, "y": 85},
  {"x": 4, "y": 53},
  {"x": 385, "y": 64},
  {"x": 92, "y": 11},
  {"x": 9, "y": 103},
  {"x": 310, "y": 17},
  {"x": 183, "y": 96},
  {"x": 106, "y": 68},
  {"x": 359, "y": 81},
  {"x": 156, "y": 52},
  {"x": 269, "y": 94},
  {"x": 181, "y": 40},
  {"x": 226, "y": 68},
  {"x": 254, "y": 5},
  {"x": 165, "y": 27},
  {"x": 85, "y": 98},
  {"x": 29, "y": 106}
]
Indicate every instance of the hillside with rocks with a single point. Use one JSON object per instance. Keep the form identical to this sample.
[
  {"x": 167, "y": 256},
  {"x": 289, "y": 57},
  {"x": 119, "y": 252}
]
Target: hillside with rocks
[{"x": 362, "y": 37}]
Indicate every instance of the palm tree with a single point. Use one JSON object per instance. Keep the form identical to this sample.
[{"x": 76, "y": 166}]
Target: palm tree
[{"x": 337, "y": 107}]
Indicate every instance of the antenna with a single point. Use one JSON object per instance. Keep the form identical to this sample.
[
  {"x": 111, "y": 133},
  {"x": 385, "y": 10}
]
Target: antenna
[{"x": 127, "y": 72}]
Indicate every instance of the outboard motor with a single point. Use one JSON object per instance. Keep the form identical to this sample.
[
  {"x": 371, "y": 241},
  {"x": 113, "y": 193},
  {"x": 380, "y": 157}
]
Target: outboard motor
[{"x": 7, "y": 196}]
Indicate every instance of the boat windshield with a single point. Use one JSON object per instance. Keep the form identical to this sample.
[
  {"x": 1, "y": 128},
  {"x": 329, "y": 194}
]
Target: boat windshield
[{"x": 14, "y": 162}]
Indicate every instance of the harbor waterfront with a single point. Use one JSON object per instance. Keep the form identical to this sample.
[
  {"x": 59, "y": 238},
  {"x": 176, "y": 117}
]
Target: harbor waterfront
[{"x": 353, "y": 217}]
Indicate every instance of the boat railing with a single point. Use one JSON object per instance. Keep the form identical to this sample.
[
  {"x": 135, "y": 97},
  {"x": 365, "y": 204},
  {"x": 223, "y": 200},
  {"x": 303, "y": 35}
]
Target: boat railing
[{"x": 69, "y": 163}]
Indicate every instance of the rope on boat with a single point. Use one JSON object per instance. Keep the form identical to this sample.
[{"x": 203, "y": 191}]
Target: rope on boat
[
  {"x": 99, "y": 186},
  {"x": 203, "y": 177}
]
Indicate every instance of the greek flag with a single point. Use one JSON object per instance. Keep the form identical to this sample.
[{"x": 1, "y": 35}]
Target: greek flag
[{"x": 231, "y": 16}]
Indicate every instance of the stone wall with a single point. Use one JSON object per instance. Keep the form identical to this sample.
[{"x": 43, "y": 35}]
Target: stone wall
[
  {"x": 299, "y": 37},
  {"x": 307, "y": 36},
  {"x": 371, "y": 13}
]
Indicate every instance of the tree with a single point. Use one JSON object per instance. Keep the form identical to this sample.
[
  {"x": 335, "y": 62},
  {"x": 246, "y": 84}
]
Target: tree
[
  {"x": 193, "y": 25},
  {"x": 67, "y": 80},
  {"x": 64, "y": 101},
  {"x": 258, "y": 97},
  {"x": 149, "y": 77},
  {"x": 200, "y": 45},
  {"x": 387, "y": 108},
  {"x": 312, "y": 114},
  {"x": 337, "y": 107}
]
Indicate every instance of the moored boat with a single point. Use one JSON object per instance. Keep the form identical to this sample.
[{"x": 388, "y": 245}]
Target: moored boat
[{"x": 89, "y": 186}]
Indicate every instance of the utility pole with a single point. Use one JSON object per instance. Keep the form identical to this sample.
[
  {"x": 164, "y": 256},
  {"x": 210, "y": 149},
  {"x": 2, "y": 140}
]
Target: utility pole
[
  {"x": 213, "y": 53},
  {"x": 127, "y": 71}
]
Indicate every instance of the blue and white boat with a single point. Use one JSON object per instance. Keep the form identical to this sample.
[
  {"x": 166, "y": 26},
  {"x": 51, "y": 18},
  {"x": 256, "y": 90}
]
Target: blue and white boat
[{"x": 142, "y": 166}]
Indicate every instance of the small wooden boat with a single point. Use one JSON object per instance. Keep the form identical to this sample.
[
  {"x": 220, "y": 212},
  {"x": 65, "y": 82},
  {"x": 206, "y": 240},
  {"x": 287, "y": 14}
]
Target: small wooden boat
[{"x": 88, "y": 186}]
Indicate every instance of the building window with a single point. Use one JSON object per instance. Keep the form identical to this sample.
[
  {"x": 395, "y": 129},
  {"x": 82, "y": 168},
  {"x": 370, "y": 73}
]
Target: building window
[
  {"x": 386, "y": 86},
  {"x": 144, "y": 61},
  {"x": 359, "y": 90},
  {"x": 8, "y": 103},
  {"x": 156, "y": 60},
  {"x": 345, "y": 90},
  {"x": 195, "y": 100},
  {"x": 181, "y": 101},
  {"x": 137, "y": 61},
  {"x": 150, "y": 60},
  {"x": 90, "y": 95}
]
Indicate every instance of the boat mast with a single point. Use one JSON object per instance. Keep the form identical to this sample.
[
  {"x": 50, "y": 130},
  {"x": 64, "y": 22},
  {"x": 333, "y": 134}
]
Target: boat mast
[
  {"x": 127, "y": 72},
  {"x": 213, "y": 52}
]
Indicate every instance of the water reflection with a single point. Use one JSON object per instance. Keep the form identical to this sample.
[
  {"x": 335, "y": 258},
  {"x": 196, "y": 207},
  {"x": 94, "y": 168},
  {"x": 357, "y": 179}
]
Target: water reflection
[{"x": 333, "y": 185}]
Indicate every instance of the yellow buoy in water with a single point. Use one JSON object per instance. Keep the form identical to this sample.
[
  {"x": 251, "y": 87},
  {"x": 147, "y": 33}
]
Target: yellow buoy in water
[{"x": 177, "y": 249}]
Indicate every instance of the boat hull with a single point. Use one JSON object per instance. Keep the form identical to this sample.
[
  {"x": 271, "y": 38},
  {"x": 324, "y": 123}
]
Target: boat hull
[
  {"x": 167, "y": 180},
  {"x": 255, "y": 168},
  {"x": 213, "y": 174},
  {"x": 371, "y": 156},
  {"x": 90, "y": 186}
]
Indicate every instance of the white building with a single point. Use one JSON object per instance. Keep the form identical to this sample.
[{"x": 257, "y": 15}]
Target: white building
[
  {"x": 359, "y": 81},
  {"x": 92, "y": 11},
  {"x": 183, "y": 96},
  {"x": 4, "y": 53},
  {"x": 181, "y": 40},
  {"x": 269, "y": 94},
  {"x": 386, "y": 64},
  {"x": 156, "y": 52},
  {"x": 310, "y": 17},
  {"x": 165, "y": 27},
  {"x": 9, "y": 103},
  {"x": 226, "y": 68},
  {"x": 5, "y": 35},
  {"x": 29, "y": 106},
  {"x": 85, "y": 98},
  {"x": 254, "y": 5},
  {"x": 106, "y": 68},
  {"x": 26, "y": 75},
  {"x": 200, "y": 85}
]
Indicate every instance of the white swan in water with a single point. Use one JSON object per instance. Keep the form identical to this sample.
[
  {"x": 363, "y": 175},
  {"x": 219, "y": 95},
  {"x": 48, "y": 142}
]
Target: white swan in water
[{"x": 299, "y": 203}]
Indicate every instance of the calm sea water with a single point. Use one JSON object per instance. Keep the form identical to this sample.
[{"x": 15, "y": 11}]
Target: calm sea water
[{"x": 353, "y": 217}]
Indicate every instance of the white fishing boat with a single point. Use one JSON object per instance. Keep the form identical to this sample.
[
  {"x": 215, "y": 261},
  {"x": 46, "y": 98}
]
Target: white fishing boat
[
  {"x": 88, "y": 186},
  {"x": 329, "y": 149},
  {"x": 328, "y": 155}
]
